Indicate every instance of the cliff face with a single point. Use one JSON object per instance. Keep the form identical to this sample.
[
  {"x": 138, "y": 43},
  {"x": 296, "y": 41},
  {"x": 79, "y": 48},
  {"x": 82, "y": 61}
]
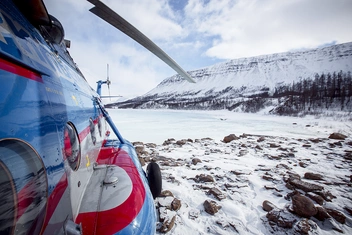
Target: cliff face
[{"x": 245, "y": 77}]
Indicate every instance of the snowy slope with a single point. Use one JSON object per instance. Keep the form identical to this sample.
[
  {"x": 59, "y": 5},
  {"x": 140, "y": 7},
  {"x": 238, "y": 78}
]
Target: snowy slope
[{"x": 246, "y": 76}]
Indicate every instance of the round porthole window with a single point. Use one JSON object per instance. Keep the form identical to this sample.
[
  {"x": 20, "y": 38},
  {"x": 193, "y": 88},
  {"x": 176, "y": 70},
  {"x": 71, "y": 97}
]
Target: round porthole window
[
  {"x": 23, "y": 188},
  {"x": 92, "y": 130},
  {"x": 72, "y": 146}
]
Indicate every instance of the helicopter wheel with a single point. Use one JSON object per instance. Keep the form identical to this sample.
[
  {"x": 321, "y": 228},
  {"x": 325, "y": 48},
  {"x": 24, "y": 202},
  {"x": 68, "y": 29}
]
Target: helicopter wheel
[{"x": 154, "y": 179}]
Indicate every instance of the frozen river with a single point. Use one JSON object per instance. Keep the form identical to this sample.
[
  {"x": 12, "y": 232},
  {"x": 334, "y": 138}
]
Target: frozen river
[{"x": 155, "y": 126}]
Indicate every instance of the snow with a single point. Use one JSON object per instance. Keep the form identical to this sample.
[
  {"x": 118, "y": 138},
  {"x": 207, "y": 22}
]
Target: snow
[
  {"x": 156, "y": 126},
  {"x": 241, "y": 211}
]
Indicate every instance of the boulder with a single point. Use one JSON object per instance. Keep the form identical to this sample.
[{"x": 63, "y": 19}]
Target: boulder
[
  {"x": 305, "y": 186},
  {"x": 268, "y": 206},
  {"x": 313, "y": 176},
  {"x": 211, "y": 207},
  {"x": 337, "y": 215},
  {"x": 216, "y": 193},
  {"x": 176, "y": 204},
  {"x": 303, "y": 206},
  {"x": 337, "y": 136},
  {"x": 202, "y": 178},
  {"x": 229, "y": 138},
  {"x": 281, "y": 218},
  {"x": 322, "y": 214},
  {"x": 195, "y": 161}
]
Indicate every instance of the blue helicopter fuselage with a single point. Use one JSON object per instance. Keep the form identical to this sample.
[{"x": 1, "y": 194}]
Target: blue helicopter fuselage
[{"x": 58, "y": 169}]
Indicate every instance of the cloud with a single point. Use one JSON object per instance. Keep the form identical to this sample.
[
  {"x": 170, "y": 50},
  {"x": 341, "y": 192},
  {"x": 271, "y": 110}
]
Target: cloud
[
  {"x": 195, "y": 33},
  {"x": 252, "y": 27}
]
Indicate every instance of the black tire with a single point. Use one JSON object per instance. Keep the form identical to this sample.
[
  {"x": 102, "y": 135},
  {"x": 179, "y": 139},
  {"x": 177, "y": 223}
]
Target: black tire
[{"x": 154, "y": 179}]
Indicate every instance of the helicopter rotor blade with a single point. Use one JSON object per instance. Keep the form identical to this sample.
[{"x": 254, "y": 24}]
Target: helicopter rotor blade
[{"x": 110, "y": 16}]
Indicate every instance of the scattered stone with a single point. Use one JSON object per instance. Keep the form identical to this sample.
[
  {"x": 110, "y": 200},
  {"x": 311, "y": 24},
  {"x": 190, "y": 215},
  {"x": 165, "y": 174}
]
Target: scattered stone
[
  {"x": 176, "y": 204},
  {"x": 306, "y": 145},
  {"x": 303, "y": 206},
  {"x": 348, "y": 209},
  {"x": 303, "y": 164},
  {"x": 318, "y": 199},
  {"x": 281, "y": 218},
  {"x": 321, "y": 214},
  {"x": 273, "y": 145},
  {"x": 268, "y": 206},
  {"x": 305, "y": 226},
  {"x": 211, "y": 207},
  {"x": 258, "y": 147},
  {"x": 229, "y": 138},
  {"x": 216, "y": 193},
  {"x": 169, "y": 141},
  {"x": 168, "y": 220},
  {"x": 166, "y": 193},
  {"x": 193, "y": 214},
  {"x": 202, "y": 178},
  {"x": 195, "y": 161},
  {"x": 305, "y": 186},
  {"x": 337, "y": 136},
  {"x": 326, "y": 195},
  {"x": 313, "y": 176},
  {"x": 181, "y": 142},
  {"x": 261, "y": 139},
  {"x": 337, "y": 215},
  {"x": 165, "y": 202}
]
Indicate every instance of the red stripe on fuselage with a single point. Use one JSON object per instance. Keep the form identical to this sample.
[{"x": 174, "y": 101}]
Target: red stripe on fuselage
[
  {"x": 115, "y": 219},
  {"x": 21, "y": 71}
]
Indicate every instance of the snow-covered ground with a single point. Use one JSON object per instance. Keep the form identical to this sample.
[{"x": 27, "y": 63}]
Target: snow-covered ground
[
  {"x": 155, "y": 126},
  {"x": 267, "y": 164}
]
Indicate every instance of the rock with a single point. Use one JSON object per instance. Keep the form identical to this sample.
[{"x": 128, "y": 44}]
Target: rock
[
  {"x": 326, "y": 195},
  {"x": 313, "y": 176},
  {"x": 348, "y": 209},
  {"x": 318, "y": 199},
  {"x": 261, "y": 139},
  {"x": 168, "y": 220},
  {"x": 268, "y": 206},
  {"x": 337, "y": 136},
  {"x": 181, "y": 142},
  {"x": 193, "y": 214},
  {"x": 322, "y": 214},
  {"x": 150, "y": 145},
  {"x": 303, "y": 206},
  {"x": 211, "y": 207},
  {"x": 305, "y": 186},
  {"x": 216, "y": 193},
  {"x": 337, "y": 215},
  {"x": 165, "y": 202},
  {"x": 196, "y": 160},
  {"x": 305, "y": 226},
  {"x": 273, "y": 145},
  {"x": 203, "y": 178},
  {"x": 229, "y": 138},
  {"x": 169, "y": 141},
  {"x": 141, "y": 160},
  {"x": 281, "y": 218},
  {"x": 166, "y": 193},
  {"x": 176, "y": 204}
]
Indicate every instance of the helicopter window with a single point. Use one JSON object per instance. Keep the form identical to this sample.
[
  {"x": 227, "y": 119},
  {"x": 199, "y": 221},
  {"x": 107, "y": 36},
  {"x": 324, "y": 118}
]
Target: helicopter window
[
  {"x": 72, "y": 146},
  {"x": 92, "y": 130},
  {"x": 23, "y": 188},
  {"x": 54, "y": 32}
]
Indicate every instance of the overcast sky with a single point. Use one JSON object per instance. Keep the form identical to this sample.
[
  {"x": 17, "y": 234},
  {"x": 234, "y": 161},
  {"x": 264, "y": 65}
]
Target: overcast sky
[{"x": 195, "y": 33}]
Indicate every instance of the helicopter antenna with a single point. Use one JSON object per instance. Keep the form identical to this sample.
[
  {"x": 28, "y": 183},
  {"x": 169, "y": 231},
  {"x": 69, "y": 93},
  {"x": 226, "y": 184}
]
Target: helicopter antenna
[{"x": 108, "y": 80}]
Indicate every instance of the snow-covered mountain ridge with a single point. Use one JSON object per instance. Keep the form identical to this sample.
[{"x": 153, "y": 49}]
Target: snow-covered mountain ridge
[{"x": 246, "y": 76}]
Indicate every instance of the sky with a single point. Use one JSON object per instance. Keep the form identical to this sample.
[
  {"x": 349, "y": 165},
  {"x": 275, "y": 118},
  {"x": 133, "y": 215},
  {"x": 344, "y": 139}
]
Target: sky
[{"x": 195, "y": 33}]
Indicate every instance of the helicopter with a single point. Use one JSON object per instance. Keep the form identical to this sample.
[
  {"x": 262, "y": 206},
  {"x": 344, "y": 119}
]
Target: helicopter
[{"x": 60, "y": 170}]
